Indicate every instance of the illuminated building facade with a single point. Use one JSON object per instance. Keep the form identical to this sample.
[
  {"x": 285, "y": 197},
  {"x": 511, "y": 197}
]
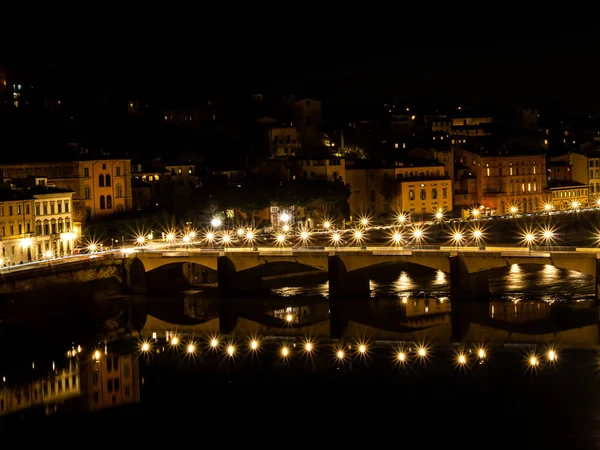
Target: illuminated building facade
[
  {"x": 100, "y": 187},
  {"x": 506, "y": 178}
]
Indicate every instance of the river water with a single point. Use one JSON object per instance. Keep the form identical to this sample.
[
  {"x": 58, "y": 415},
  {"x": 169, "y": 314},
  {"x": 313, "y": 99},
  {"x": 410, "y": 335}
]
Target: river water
[{"x": 519, "y": 368}]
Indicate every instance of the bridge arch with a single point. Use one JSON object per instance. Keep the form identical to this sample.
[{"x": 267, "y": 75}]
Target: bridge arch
[
  {"x": 154, "y": 262},
  {"x": 356, "y": 261}
]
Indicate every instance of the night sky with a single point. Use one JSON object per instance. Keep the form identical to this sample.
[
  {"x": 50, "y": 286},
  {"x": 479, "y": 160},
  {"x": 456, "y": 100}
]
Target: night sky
[{"x": 462, "y": 68}]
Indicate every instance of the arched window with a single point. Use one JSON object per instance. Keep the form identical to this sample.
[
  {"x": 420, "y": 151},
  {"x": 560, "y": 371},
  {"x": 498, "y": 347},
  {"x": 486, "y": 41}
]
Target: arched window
[
  {"x": 101, "y": 180},
  {"x": 107, "y": 180},
  {"x": 119, "y": 191},
  {"x": 108, "y": 201},
  {"x": 102, "y": 202},
  {"x": 88, "y": 214}
]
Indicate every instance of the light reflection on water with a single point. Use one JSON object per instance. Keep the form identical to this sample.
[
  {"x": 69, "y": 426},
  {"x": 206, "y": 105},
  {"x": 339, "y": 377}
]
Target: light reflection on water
[{"x": 546, "y": 283}]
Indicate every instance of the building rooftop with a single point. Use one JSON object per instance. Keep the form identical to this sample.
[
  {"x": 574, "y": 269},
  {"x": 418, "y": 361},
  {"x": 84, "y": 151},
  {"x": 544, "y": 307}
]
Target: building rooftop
[
  {"x": 40, "y": 190},
  {"x": 8, "y": 195},
  {"x": 504, "y": 150},
  {"x": 565, "y": 183}
]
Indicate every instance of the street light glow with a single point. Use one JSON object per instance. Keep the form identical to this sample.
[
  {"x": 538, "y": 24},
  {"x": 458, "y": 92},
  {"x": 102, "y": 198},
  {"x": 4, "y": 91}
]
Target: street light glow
[
  {"x": 285, "y": 217},
  {"x": 216, "y": 222}
]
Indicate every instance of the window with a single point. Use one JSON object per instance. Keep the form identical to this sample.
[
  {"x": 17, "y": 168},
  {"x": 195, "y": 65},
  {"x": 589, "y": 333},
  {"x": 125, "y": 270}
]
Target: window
[
  {"x": 101, "y": 180},
  {"x": 52, "y": 208},
  {"x": 434, "y": 193},
  {"x": 118, "y": 171},
  {"x": 95, "y": 378},
  {"x": 86, "y": 172},
  {"x": 119, "y": 191},
  {"x": 108, "y": 201},
  {"x": 102, "y": 202},
  {"x": 126, "y": 370},
  {"x": 59, "y": 207},
  {"x": 18, "y": 210},
  {"x": 103, "y": 166},
  {"x": 66, "y": 206},
  {"x": 27, "y": 209},
  {"x": 108, "y": 180},
  {"x": 10, "y": 210},
  {"x": 423, "y": 194},
  {"x": 109, "y": 384},
  {"x": 117, "y": 384},
  {"x": 127, "y": 391},
  {"x": 116, "y": 362},
  {"x": 96, "y": 398},
  {"x": 411, "y": 194},
  {"x": 88, "y": 195},
  {"x": 444, "y": 193},
  {"x": 45, "y": 208}
]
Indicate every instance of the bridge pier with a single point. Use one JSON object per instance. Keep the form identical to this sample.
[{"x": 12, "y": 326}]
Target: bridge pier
[
  {"x": 465, "y": 286},
  {"x": 233, "y": 283},
  {"x": 347, "y": 284}
]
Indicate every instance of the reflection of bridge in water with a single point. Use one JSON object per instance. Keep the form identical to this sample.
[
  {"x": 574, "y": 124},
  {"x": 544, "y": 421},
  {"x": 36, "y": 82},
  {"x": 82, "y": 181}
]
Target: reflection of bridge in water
[{"x": 414, "y": 319}]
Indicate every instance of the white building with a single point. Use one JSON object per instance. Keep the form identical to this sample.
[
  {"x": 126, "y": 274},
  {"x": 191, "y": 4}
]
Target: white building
[{"x": 54, "y": 230}]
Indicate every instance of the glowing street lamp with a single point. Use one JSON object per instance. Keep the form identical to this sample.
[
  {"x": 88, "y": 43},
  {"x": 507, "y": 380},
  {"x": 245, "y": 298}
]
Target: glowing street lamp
[
  {"x": 140, "y": 240},
  {"x": 514, "y": 210},
  {"x": 418, "y": 235},
  {"x": 336, "y": 238},
  {"x": 364, "y": 221},
  {"x": 170, "y": 237},
  {"x": 226, "y": 238},
  {"x": 216, "y": 222},
  {"x": 92, "y": 248},
  {"x": 286, "y": 228},
  {"x": 401, "y": 218},
  {"x": 475, "y": 213},
  {"x": 439, "y": 214},
  {"x": 326, "y": 224},
  {"x": 249, "y": 237},
  {"x": 396, "y": 238},
  {"x": 458, "y": 237},
  {"x": 304, "y": 236},
  {"x": 598, "y": 202},
  {"x": 280, "y": 239},
  {"x": 284, "y": 217},
  {"x": 209, "y": 237},
  {"x": 477, "y": 234},
  {"x": 548, "y": 207},
  {"x": 358, "y": 236},
  {"x": 575, "y": 205},
  {"x": 241, "y": 232}
]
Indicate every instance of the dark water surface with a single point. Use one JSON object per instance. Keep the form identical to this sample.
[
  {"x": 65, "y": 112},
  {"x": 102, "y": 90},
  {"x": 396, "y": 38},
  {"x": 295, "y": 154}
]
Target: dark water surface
[{"x": 407, "y": 367}]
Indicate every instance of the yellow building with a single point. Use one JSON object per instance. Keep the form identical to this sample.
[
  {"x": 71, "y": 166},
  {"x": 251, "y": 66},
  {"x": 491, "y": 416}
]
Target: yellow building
[
  {"x": 111, "y": 380},
  {"x": 416, "y": 186},
  {"x": 471, "y": 126},
  {"x": 16, "y": 227},
  {"x": 327, "y": 168},
  {"x": 101, "y": 187},
  {"x": 55, "y": 234},
  {"x": 507, "y": 178},
  {"x": 566, "y": 195},
  {"x": 585, "y": 168}
]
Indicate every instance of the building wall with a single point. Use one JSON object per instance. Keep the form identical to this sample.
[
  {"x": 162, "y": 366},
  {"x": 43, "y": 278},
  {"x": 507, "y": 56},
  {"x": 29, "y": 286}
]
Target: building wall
[
  {"x": 372, "y": 191},
  {"x": 111, "y": 381},
  {"x": 308, "y": 119},
  {"x": 54, "y": 230},
  {"x": 63, "y": 385},
  {"x": 72, "y": 175},
  {"x": 564, "y": 198},
  {"x": 17, "y": 232},
  {"x": 507, "y": 180},
  {"x": 424, "y": 197},
  {"x": 332, "y": 169},
  {"x": 284, "y": 141}
]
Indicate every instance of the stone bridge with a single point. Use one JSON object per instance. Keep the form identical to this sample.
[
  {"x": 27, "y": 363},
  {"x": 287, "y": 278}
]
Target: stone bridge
[{"x": 239, "y": 270}]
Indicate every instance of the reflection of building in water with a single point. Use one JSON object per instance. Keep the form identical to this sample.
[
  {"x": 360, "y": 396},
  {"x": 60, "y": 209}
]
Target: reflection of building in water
[
  {"x": 61, "y": 385},
  {"x": 426, "y": 311},
  {"x": 111, "y": 381},
  {"x": 521, "y": 311},
  {"x": 197, "y": 307},
  {"x": 303, "y": 315}
]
